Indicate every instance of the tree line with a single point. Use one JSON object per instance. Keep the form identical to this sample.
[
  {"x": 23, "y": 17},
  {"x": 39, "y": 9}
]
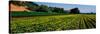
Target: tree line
[{"x": 32, "y": 6}]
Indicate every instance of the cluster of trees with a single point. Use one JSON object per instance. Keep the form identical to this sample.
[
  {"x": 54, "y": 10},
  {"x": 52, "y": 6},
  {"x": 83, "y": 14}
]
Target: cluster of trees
[
  {"x": 42, "y": 8},
  {"x": 75, "y": 10}
]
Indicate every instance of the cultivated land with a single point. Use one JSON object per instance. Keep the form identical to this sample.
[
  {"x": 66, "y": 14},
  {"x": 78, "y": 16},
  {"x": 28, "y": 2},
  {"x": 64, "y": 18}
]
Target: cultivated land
[{"x": 52, "y": 23}]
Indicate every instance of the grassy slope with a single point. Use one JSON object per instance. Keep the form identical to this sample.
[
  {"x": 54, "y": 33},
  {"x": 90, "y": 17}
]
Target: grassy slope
[{"x": 52, "y": 23}]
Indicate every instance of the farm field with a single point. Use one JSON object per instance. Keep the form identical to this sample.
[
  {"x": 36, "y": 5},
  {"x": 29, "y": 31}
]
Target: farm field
[{"x": 52, "y": 23}]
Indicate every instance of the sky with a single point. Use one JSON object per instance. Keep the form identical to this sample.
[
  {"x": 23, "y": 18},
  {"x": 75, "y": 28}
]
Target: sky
[{"x": 82, "y": 8}]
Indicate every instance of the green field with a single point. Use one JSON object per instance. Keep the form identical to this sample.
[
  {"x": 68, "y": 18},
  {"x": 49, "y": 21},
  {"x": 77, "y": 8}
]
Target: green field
[{"x": 52, "y": 23}]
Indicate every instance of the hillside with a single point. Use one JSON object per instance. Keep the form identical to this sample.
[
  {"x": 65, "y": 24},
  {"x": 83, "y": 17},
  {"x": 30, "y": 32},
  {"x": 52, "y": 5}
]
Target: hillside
[{"x": 17, "y": 8}]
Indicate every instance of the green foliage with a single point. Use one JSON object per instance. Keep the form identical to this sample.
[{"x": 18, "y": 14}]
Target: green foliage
[
  {"x": 75, "y": 11},
  {"x": 52, "y": 23},
  {"x": 42, "y": 8},
  {"x": 23, "y": 3},
  {"x": 58, "y": 10},
  {"x": 32, "y": 6},
  {"x": 31, "y": 13}
]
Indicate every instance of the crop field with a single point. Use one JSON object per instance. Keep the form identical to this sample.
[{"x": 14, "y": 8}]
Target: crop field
[{"x": 52, "y": 23}]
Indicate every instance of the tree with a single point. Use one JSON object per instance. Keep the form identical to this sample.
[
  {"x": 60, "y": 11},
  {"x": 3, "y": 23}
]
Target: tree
[
  {"x": 75, "y": 11},
  {"x": 42, "y": 8},
  {"x": 57, "y": 10},
  {"x": 23, "y": 3},
  {"x": 32, "y": 6}
]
